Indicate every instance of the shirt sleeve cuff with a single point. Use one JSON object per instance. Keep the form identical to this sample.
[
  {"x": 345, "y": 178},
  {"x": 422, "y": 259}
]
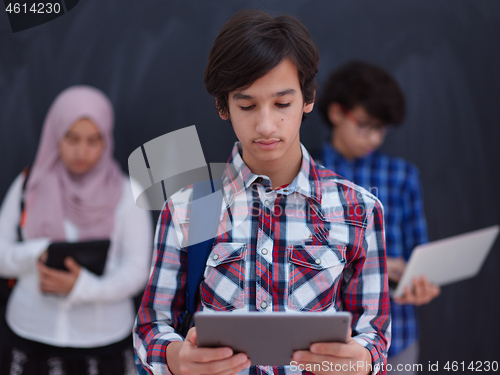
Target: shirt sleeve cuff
[
  {"x": 156, "y": 355},
  {"x": 379, "y": 361},
  {"x": 38, "y": 246},
  {"x": 84, "y": 284}
]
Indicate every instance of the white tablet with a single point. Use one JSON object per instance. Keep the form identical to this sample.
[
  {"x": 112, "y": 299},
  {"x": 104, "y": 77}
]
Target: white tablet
[
  {"x": 448, "y": 260},
  {"x": 270, "y": 338}
]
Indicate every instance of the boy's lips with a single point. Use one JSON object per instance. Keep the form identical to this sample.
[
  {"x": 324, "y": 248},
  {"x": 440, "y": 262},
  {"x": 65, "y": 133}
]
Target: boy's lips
[{"x": 267, "y": 144}]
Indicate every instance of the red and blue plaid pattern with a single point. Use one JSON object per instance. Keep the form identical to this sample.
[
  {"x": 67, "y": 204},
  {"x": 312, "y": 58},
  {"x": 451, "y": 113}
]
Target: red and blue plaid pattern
[{"x": 314, "y": 245}]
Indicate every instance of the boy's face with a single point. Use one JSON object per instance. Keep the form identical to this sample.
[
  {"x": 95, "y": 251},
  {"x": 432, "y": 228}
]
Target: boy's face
[
  {"x": 266, "y": 117},
  {"x": 355, "y": 133}
]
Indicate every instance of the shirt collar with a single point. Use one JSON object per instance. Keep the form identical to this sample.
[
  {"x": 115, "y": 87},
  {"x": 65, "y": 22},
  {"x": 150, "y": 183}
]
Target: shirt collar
[{"x": 238, "y": 177}]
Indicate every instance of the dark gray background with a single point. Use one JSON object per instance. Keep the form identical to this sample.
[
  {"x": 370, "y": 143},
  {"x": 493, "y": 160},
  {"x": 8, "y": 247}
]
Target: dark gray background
[{"x": 149, "y": 57}]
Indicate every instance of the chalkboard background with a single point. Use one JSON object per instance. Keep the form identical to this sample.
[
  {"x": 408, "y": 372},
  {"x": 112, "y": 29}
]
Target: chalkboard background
[{"x": 149, "y": 57}]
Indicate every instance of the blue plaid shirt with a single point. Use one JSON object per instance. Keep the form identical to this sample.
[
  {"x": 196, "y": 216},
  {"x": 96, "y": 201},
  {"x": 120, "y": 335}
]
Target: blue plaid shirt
[{"x": 396, "y": 183}]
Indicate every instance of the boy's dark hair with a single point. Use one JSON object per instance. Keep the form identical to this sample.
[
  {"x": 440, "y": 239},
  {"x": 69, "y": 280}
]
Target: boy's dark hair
[
  {"x": 250, "y": 45},
  {"x": 367, "y": 85}
]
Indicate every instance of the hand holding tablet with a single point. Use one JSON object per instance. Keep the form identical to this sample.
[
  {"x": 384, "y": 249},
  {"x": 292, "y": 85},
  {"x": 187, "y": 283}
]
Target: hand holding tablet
[
  {"x": 60, "y": 265},
  {"x": 448, "y": 260}
]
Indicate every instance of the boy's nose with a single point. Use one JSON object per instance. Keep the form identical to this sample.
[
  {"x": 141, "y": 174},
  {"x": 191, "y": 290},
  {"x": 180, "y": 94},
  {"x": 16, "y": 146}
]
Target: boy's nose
[{"x": 266, "y": 125}]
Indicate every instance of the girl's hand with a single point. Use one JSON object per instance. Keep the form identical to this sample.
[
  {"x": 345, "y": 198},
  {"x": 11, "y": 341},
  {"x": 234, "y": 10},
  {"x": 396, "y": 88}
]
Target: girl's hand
[{"x": 57, "y": 281}]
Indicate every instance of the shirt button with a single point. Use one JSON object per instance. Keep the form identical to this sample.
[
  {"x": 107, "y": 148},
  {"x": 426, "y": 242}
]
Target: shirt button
[
  {"x": 263, "y": 305},
  {"x": 264, "y": 251},
  {"x": 285, "y": 191},
  {"x": 215, "y": 257},
  {"x": 266, "y": 202},
  {"x": 259, "y": 179},
  {"x": 317, "y": 261}
]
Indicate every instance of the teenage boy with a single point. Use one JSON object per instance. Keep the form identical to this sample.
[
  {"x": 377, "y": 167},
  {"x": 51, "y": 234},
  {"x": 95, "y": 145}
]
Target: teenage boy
[
  {"x": 359, "y": 101},
  {"x": 302, "y": 238}
]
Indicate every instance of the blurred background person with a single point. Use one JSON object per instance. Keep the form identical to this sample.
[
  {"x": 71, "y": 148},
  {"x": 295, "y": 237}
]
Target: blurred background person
[
  {"x": 72, "y": 322},
  {"x": 360, "y": 101}
]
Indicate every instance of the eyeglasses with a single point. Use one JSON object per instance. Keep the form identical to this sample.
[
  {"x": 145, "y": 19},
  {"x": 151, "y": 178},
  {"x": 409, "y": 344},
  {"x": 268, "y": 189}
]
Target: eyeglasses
[{"x": 365, "y": 128}]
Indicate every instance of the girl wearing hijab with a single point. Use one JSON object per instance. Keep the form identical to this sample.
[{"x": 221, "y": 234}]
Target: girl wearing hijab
[{"x": 73, "y": 322}]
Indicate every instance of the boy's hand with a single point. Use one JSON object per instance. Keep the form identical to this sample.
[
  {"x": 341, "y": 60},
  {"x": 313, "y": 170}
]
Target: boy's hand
[
  {"x": 185, "y": 358},
  {"x": 56, "y": 281},
  {"x": 423, "y": 292},
  {"x": 350, "y": 358}
]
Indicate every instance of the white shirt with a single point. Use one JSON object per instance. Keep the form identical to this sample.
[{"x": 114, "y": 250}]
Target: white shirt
[{"x": 99, "y": 309}]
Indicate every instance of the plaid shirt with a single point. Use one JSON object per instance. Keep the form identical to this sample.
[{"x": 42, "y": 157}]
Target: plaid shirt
[
  {"x": 396, "y": 183},
  {"x": 314, "y": 245}
]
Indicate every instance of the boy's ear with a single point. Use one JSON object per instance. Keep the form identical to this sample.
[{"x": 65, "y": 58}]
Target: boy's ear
[
  {"x": 335, "y": 113},
  {"x": 223, "y": 115},
  {"x": 309, "y": 107}
]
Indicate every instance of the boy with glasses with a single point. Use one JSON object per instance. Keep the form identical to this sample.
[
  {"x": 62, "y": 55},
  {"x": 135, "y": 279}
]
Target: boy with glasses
[{"x": 360, "y": 101}]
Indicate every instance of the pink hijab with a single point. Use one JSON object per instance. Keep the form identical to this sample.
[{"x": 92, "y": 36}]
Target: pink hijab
[{"x": 53, "y": 193}]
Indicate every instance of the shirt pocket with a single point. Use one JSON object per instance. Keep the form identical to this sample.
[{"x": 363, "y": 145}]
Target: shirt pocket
[
  {"x": 314, "y": 275},
  {"x": 223, "y": 286}
]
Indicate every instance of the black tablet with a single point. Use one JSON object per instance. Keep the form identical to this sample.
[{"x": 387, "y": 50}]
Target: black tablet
[
  {"x": 90, "y": 254},
  {"x": 270, "y": 338}
]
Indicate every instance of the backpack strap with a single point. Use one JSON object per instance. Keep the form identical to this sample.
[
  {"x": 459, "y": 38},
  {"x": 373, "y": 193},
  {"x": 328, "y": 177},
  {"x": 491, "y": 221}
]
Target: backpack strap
[
  {"x": 7, "y": 284},
  {"x": 204, "y": 221},
  {"x": 20, "y": 225}
]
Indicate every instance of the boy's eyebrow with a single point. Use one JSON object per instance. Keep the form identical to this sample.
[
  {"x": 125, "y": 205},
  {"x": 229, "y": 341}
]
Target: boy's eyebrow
[
  {"x": 284, "y": 92},
  {"x": 241, "y": 96}
]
